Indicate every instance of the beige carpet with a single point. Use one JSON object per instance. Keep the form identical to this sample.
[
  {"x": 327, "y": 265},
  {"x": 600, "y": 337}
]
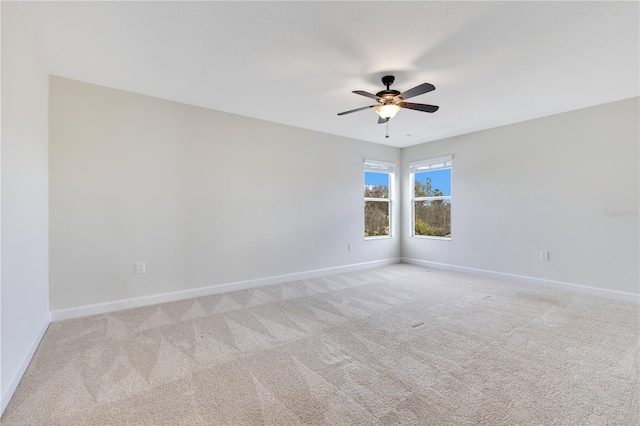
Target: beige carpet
[{"x": 391, "y": 345}]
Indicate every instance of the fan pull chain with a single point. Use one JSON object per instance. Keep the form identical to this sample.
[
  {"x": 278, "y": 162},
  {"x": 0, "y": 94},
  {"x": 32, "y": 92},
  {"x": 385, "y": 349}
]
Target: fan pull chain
[{"x": 387, "y": 136}]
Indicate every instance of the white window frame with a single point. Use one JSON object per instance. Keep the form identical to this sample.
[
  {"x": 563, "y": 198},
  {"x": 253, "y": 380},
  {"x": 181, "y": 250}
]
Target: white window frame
[
  {"x": 431, "y": 164},
  {"x": 377, "y": 166}
]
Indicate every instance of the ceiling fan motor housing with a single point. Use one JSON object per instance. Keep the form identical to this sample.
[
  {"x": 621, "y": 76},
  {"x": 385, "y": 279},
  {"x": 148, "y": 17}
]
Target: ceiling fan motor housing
[{"x": 388, "y": 95}]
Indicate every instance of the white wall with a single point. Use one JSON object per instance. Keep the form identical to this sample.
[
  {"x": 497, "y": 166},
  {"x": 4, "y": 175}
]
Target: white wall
[
  {"x": 542, "y": 185},
  {"x": 24, "y": 292},
  {"x": 203, "y": 197}
]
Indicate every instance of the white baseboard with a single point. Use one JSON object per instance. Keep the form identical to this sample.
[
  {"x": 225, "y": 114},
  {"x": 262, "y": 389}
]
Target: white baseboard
[
  {"x": 24, "y": 363},
  {"x": 576, "y": 288},
  {"x": 101, "y": 308}
]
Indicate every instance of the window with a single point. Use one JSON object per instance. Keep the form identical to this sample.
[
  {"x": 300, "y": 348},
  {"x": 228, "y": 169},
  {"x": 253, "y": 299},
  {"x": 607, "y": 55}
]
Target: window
[
  {"x": 431, "y": 198},
  {"x": 378, "y": 194}
]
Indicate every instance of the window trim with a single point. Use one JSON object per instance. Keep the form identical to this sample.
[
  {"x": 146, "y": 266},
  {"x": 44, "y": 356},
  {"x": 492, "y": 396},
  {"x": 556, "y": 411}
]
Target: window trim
[
  {"x": 377, "y": 166},
  {"x": 428, "y": 165}
]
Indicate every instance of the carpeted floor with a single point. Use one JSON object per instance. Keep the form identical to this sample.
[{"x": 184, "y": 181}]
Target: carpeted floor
[{"x": 398, "y": 344}]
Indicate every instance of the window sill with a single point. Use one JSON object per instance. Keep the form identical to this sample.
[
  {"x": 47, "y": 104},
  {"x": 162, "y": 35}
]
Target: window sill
[
  {"x": 378, "y": 237},
  {"x": 428, "y": 237}
]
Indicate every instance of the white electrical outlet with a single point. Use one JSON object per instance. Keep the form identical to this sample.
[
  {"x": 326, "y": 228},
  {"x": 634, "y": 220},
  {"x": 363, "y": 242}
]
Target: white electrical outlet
[
  {"x": 350, "y": 246},
  {"x": 544, "y": 256},
  {"x": 141, "y": 268}
]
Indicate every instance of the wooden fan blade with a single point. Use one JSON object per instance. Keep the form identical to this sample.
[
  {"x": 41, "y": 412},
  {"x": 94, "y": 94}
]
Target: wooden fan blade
[
  {"x": 367, "y": 94},
  {"x": 418, "y": 90},
  {"x": 357, "y": 109},
  {"x": 419, "y": 107}
]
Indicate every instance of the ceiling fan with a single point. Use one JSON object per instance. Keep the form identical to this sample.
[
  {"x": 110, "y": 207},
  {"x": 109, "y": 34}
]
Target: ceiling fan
[{"x": 390, "y": 101}]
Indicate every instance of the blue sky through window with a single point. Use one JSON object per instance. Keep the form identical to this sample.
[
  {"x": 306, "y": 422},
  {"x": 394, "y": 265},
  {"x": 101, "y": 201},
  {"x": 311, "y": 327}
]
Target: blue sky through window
[
  {"x": 373, "y": 178},
  {"x": 440, "y": 179}
]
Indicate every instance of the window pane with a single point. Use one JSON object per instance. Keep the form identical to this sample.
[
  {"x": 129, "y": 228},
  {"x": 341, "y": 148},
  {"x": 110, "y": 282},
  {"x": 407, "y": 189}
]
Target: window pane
[
  {"x": 376, "y": 185},
  {"x": 433, "y": 184},
  {"x": 433, "y": 218},
  {"x": 376, "y": 218}
]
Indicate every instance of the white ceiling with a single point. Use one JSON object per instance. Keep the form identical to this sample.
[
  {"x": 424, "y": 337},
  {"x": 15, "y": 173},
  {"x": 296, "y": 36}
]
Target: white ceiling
[{"x": 296, "y": 63}]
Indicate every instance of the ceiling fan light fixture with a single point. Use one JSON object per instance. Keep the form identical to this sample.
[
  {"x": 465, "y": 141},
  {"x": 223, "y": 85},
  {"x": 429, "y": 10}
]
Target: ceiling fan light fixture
[{"x": 387, "y": 111}]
